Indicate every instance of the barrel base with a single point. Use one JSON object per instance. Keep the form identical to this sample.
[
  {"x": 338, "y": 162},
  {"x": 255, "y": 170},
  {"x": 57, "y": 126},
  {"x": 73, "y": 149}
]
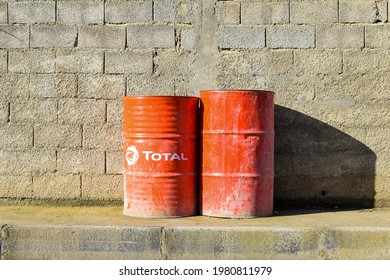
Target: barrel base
[
  {"x": 232, "y": 216},
  {"x": 237, "y": 197}
]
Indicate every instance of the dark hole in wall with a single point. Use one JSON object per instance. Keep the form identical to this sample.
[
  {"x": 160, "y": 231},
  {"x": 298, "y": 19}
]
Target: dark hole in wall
[{"x": 317, "y": 165}]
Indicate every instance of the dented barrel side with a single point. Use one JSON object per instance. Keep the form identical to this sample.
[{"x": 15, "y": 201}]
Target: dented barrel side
[{"x": 160, "y": 148}]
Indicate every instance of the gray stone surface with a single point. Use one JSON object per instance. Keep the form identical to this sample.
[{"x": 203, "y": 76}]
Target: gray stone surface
[
  {"x": 32, "y": 61},
  {"x": 14, "y": 36},
  {"x": 16, "y": 136},
  {"x": 107, "y": 137},
  {"x": 57, "y": 187},
  {"x": 265, "y": 12},
  {"x": 128, "y": 62},
  {"x": 3, "y": 12},
  {"x": 57, "y": 136},
  {"x": 340, "y": 37},
  {"x": 60, "y": 233},
  {"x": 291, "y": 37},
  {"x": 104, "y": 37},
  {"x": 80, "y": 61},
  {"x": 362, "y": 11},
  {"x": 150, "y": 36},
  {"x": 53, "y": 36},
  {"x": 84, "y": 161},
  {"x": 128, "y": 11},
  {"x": 80, "y": 12},
  {"x": 3, "y": 61},
  {"x": 31, "y": 12},
  {"x": 241, "y": 37},
  {"x": 314, "y": 12},
  {"x": 102, "y": 86},
  {"x": 81, "y": 111}
]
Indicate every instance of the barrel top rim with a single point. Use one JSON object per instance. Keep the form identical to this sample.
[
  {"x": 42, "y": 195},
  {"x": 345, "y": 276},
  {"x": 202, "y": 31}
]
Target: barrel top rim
[
  {"x": 160, "y": 96},
  {"x": 235, "y": 91}
]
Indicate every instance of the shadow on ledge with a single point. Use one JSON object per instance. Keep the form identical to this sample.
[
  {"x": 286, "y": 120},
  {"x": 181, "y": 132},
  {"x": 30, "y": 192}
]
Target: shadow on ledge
[{"x": 319, "y": 166}]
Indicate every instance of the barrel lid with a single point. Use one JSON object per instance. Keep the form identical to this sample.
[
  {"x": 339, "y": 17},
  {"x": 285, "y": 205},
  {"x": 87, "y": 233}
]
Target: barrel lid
[
  {"x": 237, "y": 91},
  {"x": 159, "y": 97}
]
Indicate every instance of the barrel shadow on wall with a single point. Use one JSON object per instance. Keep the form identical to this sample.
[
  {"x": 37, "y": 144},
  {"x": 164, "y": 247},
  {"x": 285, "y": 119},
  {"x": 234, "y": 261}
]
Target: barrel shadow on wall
[{"x": 317, "y": 165}]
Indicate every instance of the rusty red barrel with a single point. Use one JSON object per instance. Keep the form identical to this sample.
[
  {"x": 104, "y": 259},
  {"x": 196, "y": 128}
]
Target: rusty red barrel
[
  {"x": 160, "y": 148},
  {"x": 237, "y": 153}
]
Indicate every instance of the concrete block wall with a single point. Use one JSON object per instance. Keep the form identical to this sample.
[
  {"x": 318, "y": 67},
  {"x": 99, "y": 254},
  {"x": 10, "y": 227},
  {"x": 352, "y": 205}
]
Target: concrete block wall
[{"x": 66, "y": 65}]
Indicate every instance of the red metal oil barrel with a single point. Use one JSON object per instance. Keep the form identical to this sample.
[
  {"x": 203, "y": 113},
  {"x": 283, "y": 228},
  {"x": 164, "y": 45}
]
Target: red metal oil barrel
[
  {"x": 160, "y": 150},
  {"x": 237, "y": 153}
]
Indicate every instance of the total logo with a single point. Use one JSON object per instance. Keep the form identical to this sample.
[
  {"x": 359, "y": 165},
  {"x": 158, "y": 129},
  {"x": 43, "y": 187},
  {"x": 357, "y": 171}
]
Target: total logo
[{"x": 132, "y": 156}]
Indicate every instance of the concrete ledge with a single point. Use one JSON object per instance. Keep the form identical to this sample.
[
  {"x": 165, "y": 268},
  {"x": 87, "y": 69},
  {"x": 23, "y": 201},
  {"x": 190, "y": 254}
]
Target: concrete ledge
[{"x": 104, "y": 233}]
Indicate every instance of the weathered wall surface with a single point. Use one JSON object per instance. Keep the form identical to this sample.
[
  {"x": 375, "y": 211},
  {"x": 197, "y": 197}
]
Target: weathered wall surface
[{"x": 65, "y": 66}]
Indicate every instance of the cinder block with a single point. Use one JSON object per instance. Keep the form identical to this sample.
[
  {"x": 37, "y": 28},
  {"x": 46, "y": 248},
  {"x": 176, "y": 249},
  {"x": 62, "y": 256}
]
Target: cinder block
[
  {"x": 241, "y": 37},
  {"x": 81, "y": 111},
  {"x": 187, "y": 11},
  {"x": 314, "y": 12},
  {"x": 150, "y": 36},
  {"x": 246, "y": 66},
  {"x": 105, "y": 137},
  {"x": 32, "y": 12},
  {"x": 128, "y": 62},
  {"x": 80, "y": 61},
  {"x": 367, "y": 88},
  {"x": 15, "y": 186},
  {"x": 228, "y": 12},
  {"x": 4, "y": 112},
  {"x": 236, "y": 70},
  {"x": 105, "y": 187},
  {"x": 377, "y": 37},
  {"x": 16, "y": 136},
  {"x": 338, "y": 112},
  {"x": 164, "y": 10},
  {"x": 151, "y": 85},
  {"x": 14, "y": 36},
  {"x": 58, "y": 85},
  {"x": 382, "y": 195},
  {"x": 128, "y": 11},
  {"x": 172, "y": 64},
  {"x": 333, "y": 164},
  {"x": 3, "y": 61},
  {"x": 364, "y": 61},
  {"x": 32, "y": 61},
  {"x": 318, "y": 62},
  {"x": 188, "y": 40},
  {"x": 82, "y": 243},
  {"x": 265, "y": 12},
  {"x": 105, "y": 37},
  {"x": 362, "y": 11},
  {"x": 377, "y": 139},
  {"x": 340, "y": 37},
  {"x": 57, "y": 135},
  {"x": 114, "y": 111},
  {"x": 13, "y": 86},
  {"x": 46, "y": 36},
  {"x": 80, "y": 12},
  {"x": 27, "y": 162},
  {"x": 33, "y": 111},
  {"x": 250, "y": 243},
  {"x": 80, "y": 161},
  {"x": 3, "y": 12},
  {"x": 102, "y": 86},
  {"x": 57, "y": 187},
  {"x": 114, "y": 162},
  {"x": 291, "y": 37}
]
